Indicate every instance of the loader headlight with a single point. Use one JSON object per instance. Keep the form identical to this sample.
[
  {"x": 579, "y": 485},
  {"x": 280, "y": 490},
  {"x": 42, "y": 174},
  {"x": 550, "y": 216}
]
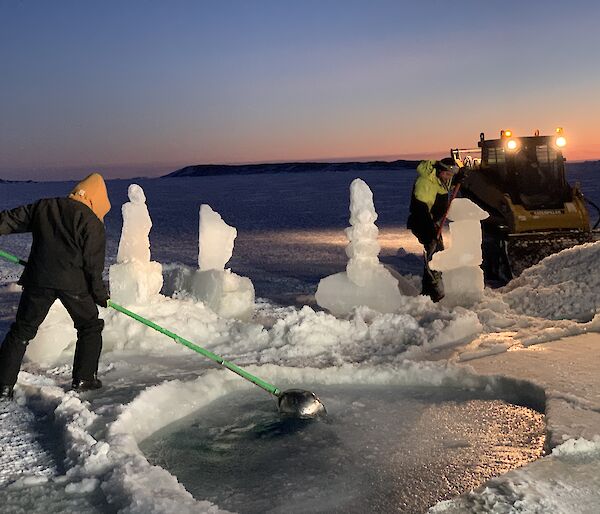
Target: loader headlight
[
  {"x": 561, "y": 141},
  {"x": 511, "y": 144}
]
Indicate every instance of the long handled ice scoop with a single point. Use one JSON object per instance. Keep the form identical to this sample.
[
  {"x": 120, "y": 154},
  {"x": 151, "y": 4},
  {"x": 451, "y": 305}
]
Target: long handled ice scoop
[{"x": 293, "y": 402}]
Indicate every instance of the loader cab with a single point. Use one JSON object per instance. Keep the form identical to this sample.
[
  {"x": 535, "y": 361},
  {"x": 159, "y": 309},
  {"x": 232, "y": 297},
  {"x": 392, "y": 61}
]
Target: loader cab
[
  {"x": 530, "y": 170},
  {"x": 534, "y": 212}
]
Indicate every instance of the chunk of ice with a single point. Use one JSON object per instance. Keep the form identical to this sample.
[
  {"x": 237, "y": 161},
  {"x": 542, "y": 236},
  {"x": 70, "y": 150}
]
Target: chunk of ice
[
  {"x": 135, "y": 279},
  {"x": 133, "y": 283},
  {"x": 134, "y": 244},
  {"x": 366, "y": 281},
  {"x": 224, "y": 292},
  {"x": 215, "y": 244},
  {"x": 460, "y": 263},
  {"x": 339, "y": 295}
]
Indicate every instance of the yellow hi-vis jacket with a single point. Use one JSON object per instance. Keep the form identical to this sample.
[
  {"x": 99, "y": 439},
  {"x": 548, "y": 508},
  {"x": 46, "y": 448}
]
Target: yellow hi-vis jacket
[
  {"x": 428, "y": 185},
  {"x": 428, "y": 203}
]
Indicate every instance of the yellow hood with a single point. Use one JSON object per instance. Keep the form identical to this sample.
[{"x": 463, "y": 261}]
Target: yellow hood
[{"x": 91, "y": 191}]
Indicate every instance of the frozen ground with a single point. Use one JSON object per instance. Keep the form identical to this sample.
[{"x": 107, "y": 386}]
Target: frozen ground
[{"x": 536, "y": 341}]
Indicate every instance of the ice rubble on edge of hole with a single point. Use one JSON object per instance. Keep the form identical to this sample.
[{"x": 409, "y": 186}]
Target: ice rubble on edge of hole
[{"x": 135, "y": 279}]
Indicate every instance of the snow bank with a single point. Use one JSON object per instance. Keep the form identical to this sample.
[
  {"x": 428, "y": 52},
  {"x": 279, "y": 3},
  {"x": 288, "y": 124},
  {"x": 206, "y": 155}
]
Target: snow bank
[
  {"x": 562, "y": 286},
  {"x": 187, "y": 318},
  {"x": 578, "y": 447},
  {"x": 55, "y": 341},
  {"x": 309, "y": 338},
  {"x": 501, "y": 333},
  {"x": 565, "y": 482},
  {"x": 297, "y": 337},
  {"x": 128, "y": 481}
]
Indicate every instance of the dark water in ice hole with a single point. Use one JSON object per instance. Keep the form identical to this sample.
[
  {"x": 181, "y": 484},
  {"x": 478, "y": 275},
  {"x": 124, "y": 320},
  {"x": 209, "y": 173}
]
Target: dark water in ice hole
[{"x": 381, "y": 449}]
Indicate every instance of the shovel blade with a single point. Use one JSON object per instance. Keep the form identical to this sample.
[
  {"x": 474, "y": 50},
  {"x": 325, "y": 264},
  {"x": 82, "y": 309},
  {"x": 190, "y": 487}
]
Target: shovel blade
[{"x": 301, "y": 404}]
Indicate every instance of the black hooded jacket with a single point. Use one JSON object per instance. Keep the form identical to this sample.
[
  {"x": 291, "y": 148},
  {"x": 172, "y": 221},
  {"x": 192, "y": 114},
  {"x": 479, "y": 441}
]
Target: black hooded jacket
[{"x": 68, "y": 248}]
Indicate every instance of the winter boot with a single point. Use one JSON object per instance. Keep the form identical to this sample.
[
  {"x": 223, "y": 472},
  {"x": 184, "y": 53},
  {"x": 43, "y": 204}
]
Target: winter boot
[
  {"x": 6, "y": 392},
  {"x": 86, "y": 385}
]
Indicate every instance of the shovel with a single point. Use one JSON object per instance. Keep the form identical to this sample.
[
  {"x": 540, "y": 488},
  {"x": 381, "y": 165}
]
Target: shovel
[
  {"x": 441, "y": 225},
  {"x": 450, "y": 200},
  {"x": 292, "y": 402}
]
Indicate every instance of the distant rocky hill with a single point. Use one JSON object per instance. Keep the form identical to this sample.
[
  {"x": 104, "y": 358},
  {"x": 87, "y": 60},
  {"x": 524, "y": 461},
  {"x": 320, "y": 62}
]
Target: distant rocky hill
[
  {"x": 3, "y": 181},
  {"x": 583, "y": 164},
  {"x": 203, "y": 170}
]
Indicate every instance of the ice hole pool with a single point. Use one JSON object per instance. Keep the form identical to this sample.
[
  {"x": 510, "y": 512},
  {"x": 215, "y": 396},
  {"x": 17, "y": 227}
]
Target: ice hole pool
[{"x": 381, "y": 449}]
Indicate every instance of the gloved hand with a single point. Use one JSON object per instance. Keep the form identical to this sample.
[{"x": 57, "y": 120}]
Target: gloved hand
[
  {"x": 459, "y": 177},
  {"x": 102, "y": 302}
]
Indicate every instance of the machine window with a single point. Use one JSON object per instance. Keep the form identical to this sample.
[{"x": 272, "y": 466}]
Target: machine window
[
  {"x": 545, "y": 154},
  {"x": 495, "y": 155}
]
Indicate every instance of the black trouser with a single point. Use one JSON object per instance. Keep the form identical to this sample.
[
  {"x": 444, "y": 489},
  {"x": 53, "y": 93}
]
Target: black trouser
[
  {"x": 33, "y": 308},
  {"x": 432, "y": 280}
]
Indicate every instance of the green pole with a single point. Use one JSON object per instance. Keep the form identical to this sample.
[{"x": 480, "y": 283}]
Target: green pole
[
  {"x": 12, "y": 258},
  {"x": 270, "y": 388},
  {"x": 198, "y": 349}
]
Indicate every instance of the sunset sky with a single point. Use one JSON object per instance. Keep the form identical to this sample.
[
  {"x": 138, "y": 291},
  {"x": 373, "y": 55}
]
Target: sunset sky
[{"x": 144, "y": 87}]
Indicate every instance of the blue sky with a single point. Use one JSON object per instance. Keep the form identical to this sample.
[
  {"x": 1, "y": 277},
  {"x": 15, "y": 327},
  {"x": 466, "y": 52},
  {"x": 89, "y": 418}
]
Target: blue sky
[{"x": 141, "y": 87}]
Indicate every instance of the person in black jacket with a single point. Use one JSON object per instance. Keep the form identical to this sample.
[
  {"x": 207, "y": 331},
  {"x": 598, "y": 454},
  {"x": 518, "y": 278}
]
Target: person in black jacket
[
  {"x": 65, "y": 263},
  {"x": 428, "y": 205}
]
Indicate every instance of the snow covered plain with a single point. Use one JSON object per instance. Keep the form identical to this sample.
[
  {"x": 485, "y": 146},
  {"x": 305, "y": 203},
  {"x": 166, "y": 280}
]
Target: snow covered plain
[{"x": 535, "y": 341}]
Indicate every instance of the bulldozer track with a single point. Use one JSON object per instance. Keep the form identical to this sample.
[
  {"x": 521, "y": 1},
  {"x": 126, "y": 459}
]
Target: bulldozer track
[
  {"x": 507, "y": 256},
  {"x": 524, "y": 253}
]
